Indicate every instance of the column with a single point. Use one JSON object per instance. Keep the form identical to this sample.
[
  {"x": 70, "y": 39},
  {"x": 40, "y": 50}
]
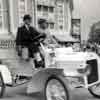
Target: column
[
  {"x": 69, "y": 18},
  {"x": 13, "y": 10}
]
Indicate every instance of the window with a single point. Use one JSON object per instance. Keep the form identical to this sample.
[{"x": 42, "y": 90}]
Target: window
[
  {"x": 39, "y": 7},
  {"x": 22, "y": 1},
  {"x": 61, "y": 27},
  {"x": 61, "y": 11},
  {"x": 51, "y": 25},
  {"x": 45, "y": 8},
  {"x": 51, "y": 9}
]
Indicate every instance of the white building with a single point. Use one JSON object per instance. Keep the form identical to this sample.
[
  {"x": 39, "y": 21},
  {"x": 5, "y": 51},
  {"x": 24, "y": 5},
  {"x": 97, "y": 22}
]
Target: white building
[{"x": 57, "y": 13}]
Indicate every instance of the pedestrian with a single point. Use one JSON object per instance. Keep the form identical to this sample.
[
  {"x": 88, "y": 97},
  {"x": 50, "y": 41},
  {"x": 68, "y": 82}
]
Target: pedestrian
[{"x": 25, "y": 36}]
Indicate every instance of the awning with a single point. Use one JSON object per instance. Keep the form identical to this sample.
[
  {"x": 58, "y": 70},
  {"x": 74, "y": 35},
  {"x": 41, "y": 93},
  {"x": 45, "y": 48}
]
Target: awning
[
  {"x": 66, "y": 38},
  {"x": 63, "y": 36}
]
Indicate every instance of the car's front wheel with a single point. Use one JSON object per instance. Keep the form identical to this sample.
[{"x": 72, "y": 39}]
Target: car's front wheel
[
  {"x": 56, "y": 88},
  {"x": 95, "y": 90}
]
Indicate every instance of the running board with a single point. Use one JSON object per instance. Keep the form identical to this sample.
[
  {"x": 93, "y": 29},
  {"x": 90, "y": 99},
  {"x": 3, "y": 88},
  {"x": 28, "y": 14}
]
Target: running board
[{"x": 21, "y": 80}]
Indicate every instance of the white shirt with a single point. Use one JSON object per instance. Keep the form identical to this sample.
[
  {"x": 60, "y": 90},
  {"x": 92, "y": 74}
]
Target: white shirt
[{"x": 27, "y": 27}]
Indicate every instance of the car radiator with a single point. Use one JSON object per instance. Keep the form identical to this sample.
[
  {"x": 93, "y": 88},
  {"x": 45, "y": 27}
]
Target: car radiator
[{"x": 93, "y": 76}]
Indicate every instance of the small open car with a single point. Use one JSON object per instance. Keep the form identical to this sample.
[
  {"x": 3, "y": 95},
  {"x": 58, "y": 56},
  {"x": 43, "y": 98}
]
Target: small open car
[
  {"x": 63, "y": 66},
  {"x": 82, "y": 69},
  {"x": 50, "y": 80}
]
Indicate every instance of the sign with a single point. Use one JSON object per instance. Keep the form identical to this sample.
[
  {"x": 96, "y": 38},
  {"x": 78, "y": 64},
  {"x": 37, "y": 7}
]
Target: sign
[{"x": 6, "y": 44}]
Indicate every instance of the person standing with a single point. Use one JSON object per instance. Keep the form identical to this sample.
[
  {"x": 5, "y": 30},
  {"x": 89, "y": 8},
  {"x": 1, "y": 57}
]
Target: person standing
[{"x": 25, "y": 36}]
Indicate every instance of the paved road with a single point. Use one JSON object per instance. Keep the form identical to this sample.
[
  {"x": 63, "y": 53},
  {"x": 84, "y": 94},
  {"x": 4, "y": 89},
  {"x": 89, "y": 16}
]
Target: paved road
[{"x": 18, "y": 93}]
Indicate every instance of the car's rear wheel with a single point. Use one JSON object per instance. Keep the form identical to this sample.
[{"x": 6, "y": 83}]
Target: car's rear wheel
[
  {"x": 2, "y": 86},
  {"x": 95, "y": 90},
  {"x": 56, "y": 88}
]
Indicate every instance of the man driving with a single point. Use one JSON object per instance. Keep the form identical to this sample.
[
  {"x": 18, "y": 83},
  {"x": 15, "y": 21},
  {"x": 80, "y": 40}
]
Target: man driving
[
  {"x": 43, "y": 29},
  {"x": 48, "y": 42}
]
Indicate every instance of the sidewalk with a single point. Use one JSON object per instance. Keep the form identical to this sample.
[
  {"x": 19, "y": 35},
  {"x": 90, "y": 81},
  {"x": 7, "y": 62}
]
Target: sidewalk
[{"x": 9, "y": 57}]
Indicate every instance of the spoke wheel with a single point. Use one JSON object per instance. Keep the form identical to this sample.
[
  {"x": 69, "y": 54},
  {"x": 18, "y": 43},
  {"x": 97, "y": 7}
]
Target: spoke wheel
[
  {"x": 2, "y": 86},
  {"x": 95, "y": 90},
  {"x": 57, "y": 89}
]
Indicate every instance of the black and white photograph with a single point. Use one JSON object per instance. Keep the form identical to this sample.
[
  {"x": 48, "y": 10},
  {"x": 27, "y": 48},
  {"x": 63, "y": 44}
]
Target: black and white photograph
[{"x": 49, "y": 50}]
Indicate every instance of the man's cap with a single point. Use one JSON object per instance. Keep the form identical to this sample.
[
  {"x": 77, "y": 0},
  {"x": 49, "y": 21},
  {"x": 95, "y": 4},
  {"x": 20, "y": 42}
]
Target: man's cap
[
  {"x": 27, "y": 17},
  {"x": 41, "y": 21}
]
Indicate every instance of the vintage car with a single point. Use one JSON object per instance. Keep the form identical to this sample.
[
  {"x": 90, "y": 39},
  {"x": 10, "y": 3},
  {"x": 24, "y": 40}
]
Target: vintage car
[
  {"x": 50, "y": 81},
  {"x": 64, "y": 69},
  {"x": 79, "y": 68},
  {"x": 83, "y": 66}
]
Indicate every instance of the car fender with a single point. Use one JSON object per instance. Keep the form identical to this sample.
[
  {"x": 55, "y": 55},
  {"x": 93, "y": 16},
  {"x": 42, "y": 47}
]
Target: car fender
[
  {"x": 6, "y": 74},
  {"x": 39, "y": 79}
]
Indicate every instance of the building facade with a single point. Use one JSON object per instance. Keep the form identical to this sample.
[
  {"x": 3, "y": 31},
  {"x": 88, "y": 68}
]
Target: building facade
[
  {"x": 56, "y": 12},
  {"x": 89, "y": 14}
]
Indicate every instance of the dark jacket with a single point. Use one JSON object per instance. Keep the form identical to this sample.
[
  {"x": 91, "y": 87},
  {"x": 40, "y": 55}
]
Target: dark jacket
[{"x": 25, "y": 37}]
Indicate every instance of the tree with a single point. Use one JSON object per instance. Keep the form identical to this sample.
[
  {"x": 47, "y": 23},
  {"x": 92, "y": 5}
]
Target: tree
[{"x": 94, "y": 35}]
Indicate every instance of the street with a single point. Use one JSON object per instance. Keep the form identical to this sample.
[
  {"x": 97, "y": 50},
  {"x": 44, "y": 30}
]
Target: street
[{"x": 18, "y": 93}]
